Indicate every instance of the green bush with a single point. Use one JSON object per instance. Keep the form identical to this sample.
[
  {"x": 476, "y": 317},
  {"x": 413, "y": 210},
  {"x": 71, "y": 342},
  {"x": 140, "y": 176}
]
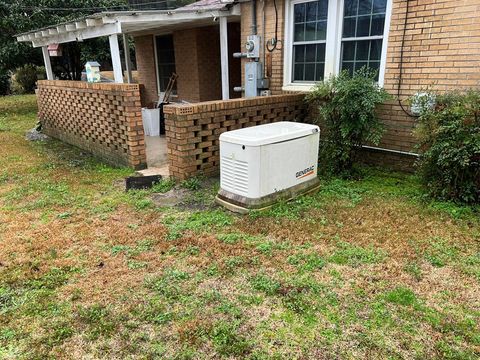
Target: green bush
[
  {"x": 25, "y": 79},
  {"x": 347, "y": 105},
  {"x": 449, "y": 142}
]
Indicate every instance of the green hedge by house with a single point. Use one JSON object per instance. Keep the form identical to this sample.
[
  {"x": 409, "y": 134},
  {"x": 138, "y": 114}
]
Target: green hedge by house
[
  {"x": 449, "y": 142},
  {"x": 346, "y": 111}
]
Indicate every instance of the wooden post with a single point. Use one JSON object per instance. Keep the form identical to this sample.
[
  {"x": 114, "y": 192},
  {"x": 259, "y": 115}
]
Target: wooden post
[
  {"x": 48, "y": 65},
  {"x": 116, "y": 62},
  {"x": 224, "y": 58}
]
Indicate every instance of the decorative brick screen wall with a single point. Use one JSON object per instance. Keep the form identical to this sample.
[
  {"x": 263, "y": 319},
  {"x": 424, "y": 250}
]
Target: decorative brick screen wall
[
  {"x": 104, "y": 119},
  {"x": 193, "y": 130}
]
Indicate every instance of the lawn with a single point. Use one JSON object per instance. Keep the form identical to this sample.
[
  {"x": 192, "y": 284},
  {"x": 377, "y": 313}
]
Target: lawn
[{"x": 363, "y": 269}]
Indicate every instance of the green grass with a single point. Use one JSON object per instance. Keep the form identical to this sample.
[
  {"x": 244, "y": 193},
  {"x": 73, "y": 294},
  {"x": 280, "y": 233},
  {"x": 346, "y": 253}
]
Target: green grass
[
  {"x": 363, "y": 269},
  {"x": 348, "y": 254}
]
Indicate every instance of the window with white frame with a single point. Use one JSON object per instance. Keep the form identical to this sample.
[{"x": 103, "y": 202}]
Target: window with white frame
[
  {"x": 309, "y": 39},
  {"x": 362, "y": 34},
  {"x": 326, "y": 36}
]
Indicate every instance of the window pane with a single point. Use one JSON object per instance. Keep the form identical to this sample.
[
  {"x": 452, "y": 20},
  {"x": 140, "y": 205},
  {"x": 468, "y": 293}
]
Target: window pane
[
  {"x": 322, "y": 10},
  {"x": 311, "y": 11},
  {"x": 363, "y": 26},
  {"x": 299, "y": 12},
  {"x": 349, "y": 27},
  {"x": 362, "y": 50},
  {"x": 310, "y": 53},
  {"x": 374, "y": 65},
  {"x": 356, "y": 54},
  {"x": 321, "y": 30},
  {"x": 319, "y": 72},
  {"x": 299, "y": 32},
  {"x": 376, "y": 50},
  {"x": 310, "y": 31},
  {"x": 379, "y": 6},
  {"x": 321, "y": 53},
  {"x": 348, "y": 52},
  {"x": 359, "y": 65},
  {"x": 378, "y": 23},
  {"x": 298, "y": 72},
  {"x": 309, "y": 72},
  {"x": 350, "y": 7},
  {"x": 348, "y": 66},
  {"x": 364, "y": 7},
  {"x": 299, "y": 53}
]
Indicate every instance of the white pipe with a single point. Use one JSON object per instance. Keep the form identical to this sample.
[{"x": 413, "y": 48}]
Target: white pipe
[
  {"x": 224, "y": 57},
  {"x": 115, "y": 54},
  {"x": 390, "y": 150},
  {"x": 128, "y": 62},
  {"x": 46, "y": 60}
]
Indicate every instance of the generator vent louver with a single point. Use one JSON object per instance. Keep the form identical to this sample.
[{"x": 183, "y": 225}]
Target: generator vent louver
[{"x": 235, "y": 174}]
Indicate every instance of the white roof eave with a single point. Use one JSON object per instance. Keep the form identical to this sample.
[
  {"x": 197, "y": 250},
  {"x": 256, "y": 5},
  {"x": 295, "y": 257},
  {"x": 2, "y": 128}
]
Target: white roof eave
[{"x": 105, "y": 24}]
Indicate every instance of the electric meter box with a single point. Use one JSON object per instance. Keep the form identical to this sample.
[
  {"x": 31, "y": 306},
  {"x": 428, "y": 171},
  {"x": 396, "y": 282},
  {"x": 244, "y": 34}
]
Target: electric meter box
[
  {"x": 92, "y": 69},
  {"x": 253, "y": 46},
  {"x": 262, "y": 164}
]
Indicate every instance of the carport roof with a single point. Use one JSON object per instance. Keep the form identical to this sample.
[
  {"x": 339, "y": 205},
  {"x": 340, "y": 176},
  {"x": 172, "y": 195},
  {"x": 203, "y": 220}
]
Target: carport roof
[{"x": 130, "y": 22}]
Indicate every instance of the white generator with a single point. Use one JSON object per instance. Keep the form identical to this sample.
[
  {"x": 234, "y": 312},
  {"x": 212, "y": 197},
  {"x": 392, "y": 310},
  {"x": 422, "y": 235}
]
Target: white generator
[{"x": 261, "y": 164}]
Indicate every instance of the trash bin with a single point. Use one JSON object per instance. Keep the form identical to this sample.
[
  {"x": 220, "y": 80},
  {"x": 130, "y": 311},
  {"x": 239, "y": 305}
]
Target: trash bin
[{"x": 151, "y": 121}]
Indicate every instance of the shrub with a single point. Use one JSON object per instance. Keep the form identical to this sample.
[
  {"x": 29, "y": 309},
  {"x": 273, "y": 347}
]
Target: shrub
[
  {"x": 347, "y": 105},
  {"x": 25, "y": 79},
  {"x": 449, "y": 142}
]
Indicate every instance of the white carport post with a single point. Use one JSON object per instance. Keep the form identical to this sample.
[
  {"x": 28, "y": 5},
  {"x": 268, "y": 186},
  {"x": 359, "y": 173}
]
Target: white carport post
[
  {"x": 224, "y": 57},
  {"x": 48, "y": 65},
  {"x": 128, "y": 62},
  {"x": 116, "y": 62}
]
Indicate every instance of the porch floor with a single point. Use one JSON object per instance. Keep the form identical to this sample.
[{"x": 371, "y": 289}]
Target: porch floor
[{"x": 157, "y": 160}]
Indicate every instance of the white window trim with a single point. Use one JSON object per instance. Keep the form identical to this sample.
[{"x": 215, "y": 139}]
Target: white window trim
[{"x": 333, "y": 44}]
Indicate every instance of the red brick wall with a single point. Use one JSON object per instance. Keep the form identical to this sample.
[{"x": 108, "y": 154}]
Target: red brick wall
[
  {"x": 208, "y": 66},
  {"x": 104, "y": 119},
  {"x": 193, "y": 130},
  {"x": 147, "y": 75},
  {"x": 276, "y": 81},
  {"x": 197, "y": 61},
  {"x": 186, "y": 64},
  {"x": 197, "y": 56},
  {"x": 441, "y": 52},
  {"x": 442, "y": 45}
]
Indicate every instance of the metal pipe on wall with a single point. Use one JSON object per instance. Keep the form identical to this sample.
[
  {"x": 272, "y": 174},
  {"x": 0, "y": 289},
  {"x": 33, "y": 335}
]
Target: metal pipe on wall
[
  {"x": 263, "y": 33},
  {"x": 254, "y": 17}
]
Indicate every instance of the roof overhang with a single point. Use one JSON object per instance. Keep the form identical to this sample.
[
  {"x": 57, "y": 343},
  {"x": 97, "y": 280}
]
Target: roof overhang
[{"x": 124, "y": 22}]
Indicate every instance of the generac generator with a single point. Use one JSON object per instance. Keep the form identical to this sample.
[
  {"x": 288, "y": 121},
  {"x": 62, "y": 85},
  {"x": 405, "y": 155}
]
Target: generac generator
[{"x": 262, "y": 164}]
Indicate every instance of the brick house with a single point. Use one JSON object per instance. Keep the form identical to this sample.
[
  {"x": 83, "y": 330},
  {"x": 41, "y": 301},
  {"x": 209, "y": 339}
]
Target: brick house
[{"x": 414, "y": 44}]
